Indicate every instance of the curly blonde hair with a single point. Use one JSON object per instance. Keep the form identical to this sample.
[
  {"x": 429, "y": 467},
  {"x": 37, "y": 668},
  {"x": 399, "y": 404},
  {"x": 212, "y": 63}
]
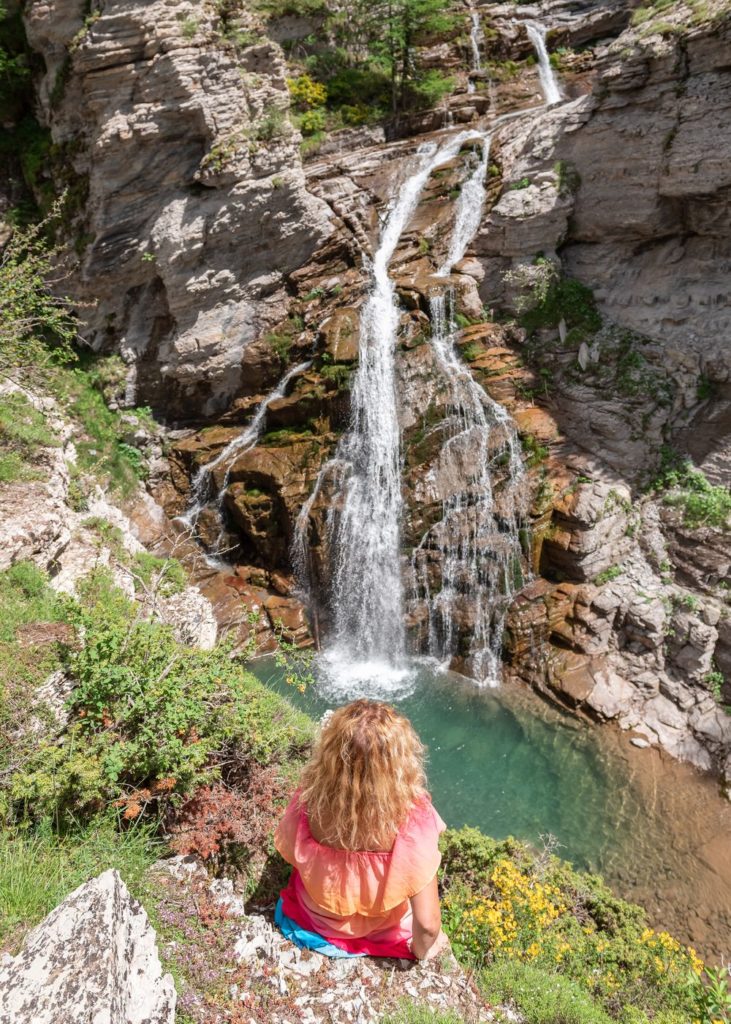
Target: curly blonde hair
[{"x": 365, "y": 774}]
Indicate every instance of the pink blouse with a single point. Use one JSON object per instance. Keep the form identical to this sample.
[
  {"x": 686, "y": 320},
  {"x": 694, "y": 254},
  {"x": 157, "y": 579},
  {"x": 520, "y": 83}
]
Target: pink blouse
[{"x": 359, "y": 900}]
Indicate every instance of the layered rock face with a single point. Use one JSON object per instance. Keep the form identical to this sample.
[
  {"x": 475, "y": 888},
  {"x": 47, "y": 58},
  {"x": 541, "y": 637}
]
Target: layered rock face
[
  {"x": 190, "y": 200},
  {"x": 222, "y": 264}
]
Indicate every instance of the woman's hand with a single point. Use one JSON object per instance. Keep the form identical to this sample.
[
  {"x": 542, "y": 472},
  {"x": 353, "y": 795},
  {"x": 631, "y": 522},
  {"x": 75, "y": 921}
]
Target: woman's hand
[{"x": 440, "y": 945}]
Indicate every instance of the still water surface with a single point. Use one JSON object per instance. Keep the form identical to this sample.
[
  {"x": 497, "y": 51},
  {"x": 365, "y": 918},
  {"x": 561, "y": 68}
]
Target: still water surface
[{"x": 504, "y": 761}]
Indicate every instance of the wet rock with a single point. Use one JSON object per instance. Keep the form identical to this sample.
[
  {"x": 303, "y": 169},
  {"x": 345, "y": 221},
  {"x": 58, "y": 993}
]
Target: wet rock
[
  {"x": 93, "y": 958},
  {"x": 341, "y": 336}
]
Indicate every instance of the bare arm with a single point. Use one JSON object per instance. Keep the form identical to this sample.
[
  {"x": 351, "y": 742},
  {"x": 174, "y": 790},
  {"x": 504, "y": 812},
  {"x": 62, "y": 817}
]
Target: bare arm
[{"x": 429, "y": 939}]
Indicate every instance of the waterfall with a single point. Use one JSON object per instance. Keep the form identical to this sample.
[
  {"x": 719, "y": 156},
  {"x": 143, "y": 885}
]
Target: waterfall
[
  {"x": 549, "y": 83},
  {"x": 475, "y": 35},
  {"x": 477, "y": 541},
  {"x": 364, "y": 524},
  {"x": 201, "y": 495}
]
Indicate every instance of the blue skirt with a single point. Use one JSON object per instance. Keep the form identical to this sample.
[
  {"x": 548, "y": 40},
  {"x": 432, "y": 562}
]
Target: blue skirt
[{"x": 304, "y": 939}]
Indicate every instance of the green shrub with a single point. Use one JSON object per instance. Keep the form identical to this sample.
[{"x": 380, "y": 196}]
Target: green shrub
[
  {"x": 312, "y": 122},
  {"x": 686, "y": 487},
  {"x": 535, "y": 452},
  {"x": 149, "y": 718},
  {"x": 607, "y": 575},
  {"x": 36, "y": 328},
  {"x": 564, "y": 299},
  {"x": 163, "y": 576},
  {"x": 542, "y": 997},
  {"x": 504, "y": 905}
]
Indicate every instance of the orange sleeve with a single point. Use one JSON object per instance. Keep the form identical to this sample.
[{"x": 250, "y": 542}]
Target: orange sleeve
[
  {"x": 285, "y": 836},
  {"x": 416, "y": 856}
]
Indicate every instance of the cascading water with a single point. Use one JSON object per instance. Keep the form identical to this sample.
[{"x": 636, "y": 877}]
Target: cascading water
[
  {"x": 478, "y": 537},
  {"x": 475, "y": 37},
  {"x": 549, "y": 83},
  {"x": 201, "y": 491},
  {"x": 364, "y": 522}
]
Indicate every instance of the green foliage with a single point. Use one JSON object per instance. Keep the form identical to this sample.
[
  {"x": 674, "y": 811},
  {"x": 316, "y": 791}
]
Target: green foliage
[
  {"x": 413, "y": 1013},
  {"x": 282, "y": 339},
  {"x": 535, "y": 452},
  {"x": 687, "y": 488},
  {"x": 163, "y": 576},
  {"x": 100, "y": 449},
  {"x": 39, "y": 868},
  {"x": 559, "y": 941},
  {"x": 25, "y": 597},
  {"x": 714, "y": 681},
  {"x": 150, "y": 719},
  {"x": 271, "y": 125},
  {"x": 543, "y": 997},
  {"x": 607, "y": 575},
  {"x": 14, "y": 65},
  {"x": 311, "y": 122},
  {"x": 516, "y": 186},
  {"x": 36, "y": 328},
  {"x": 564, "y": 299},
  {"x": 338, "y": 373},
  {"x": 567, "y": 176},
  {"x": 373, "y": 68},
  {"x": 471, "y": 351},
  {"x": 306, "y": 93},
  {"x": 23, "y": 432},
  {"x": 26, "y": 600},
  {"x": 189, "y": 27}
]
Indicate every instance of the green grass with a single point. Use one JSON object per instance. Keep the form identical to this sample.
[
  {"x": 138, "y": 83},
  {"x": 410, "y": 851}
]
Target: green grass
[
  {"x": 608, "y": 575},
  {"x": 687, "y": 488},
  {"x": 543, "y": 998},
  {"x": 39, "y": 868},
  {"x": 411, "y": 1013},
  {"x": 23, "y": 433},
  {"x": 25, "y": 597}
]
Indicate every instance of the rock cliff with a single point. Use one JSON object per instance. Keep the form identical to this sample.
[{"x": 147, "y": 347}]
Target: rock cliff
[{"x": 218, "y": 260}]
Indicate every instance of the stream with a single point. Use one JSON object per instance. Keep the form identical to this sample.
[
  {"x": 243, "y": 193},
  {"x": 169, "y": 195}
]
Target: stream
[{"x": 503, "y": 760}]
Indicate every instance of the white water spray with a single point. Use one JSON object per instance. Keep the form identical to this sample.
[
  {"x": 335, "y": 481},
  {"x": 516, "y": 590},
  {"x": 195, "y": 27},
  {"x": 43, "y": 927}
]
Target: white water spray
[
  {"x": 478, "y": 544},
  {"x": 201, "y": 495},
  {"x": 475, "y": 38},
  {"x": 549, "y": 83},
  {"x": 364, "y": 525}
]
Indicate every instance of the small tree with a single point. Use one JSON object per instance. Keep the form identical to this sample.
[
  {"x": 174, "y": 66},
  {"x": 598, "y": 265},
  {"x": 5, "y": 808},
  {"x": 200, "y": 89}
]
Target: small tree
[{"x": 37, "y": 326}]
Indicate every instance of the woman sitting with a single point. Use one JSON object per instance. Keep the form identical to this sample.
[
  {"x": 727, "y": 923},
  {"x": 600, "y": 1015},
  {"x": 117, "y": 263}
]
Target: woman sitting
[{"x": 361, "y": 835}]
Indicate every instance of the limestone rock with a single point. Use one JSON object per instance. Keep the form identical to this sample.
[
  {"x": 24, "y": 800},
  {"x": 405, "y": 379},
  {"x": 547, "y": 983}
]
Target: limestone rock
[
  {"x": 92, "y": 959},
  {"x": 196, "y": 202},
  {"x": 191, "y": 616}
]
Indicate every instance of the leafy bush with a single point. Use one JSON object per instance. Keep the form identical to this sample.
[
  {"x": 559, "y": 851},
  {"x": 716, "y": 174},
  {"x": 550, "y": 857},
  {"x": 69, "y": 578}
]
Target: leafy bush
[
  {"x": 306, "y": 93},
  {"x": 163, "y": 576},
  {"x": 564, "y": 299},
  {"x": 27, "y": 655},
  {"x": 149, "y": 719},
  {"x": 37, "y": 327},
  {"x": 504, "y": 905},
  {"x": 686, "y": 487},
  {"x": 14, "y": 66},
  {"x": 312, "y": 121}
]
